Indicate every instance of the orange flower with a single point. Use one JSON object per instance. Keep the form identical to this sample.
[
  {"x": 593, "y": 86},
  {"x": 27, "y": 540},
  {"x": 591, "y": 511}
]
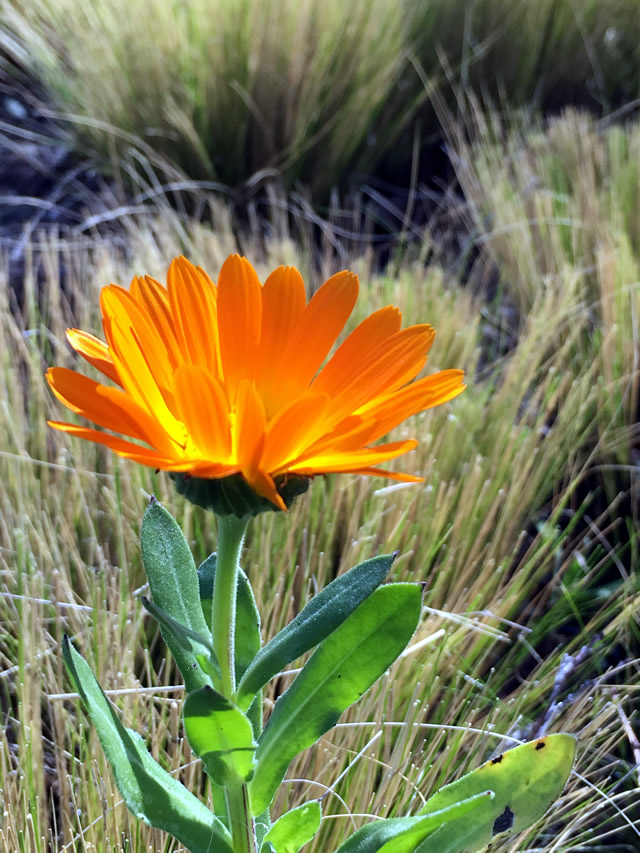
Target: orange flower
[{"x": 217, "y": 380}]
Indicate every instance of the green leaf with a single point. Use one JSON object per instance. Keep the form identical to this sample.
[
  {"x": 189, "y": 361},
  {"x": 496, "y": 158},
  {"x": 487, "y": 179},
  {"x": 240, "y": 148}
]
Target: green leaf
[
  {"x": 201, "y": 647},
  {"x": 402, "y": 834},
  {"x": 525, "y": 780},
  {"x": 247, "y": 635},
  {"x": 221, "y": 735},
  {"x": 152, "y": 794},
  {"x": 340, "y": 670},
  {"x": 294, "y": 829},
  {"x": 174, "y": 587},
  {"x": 322, "y": 615}
]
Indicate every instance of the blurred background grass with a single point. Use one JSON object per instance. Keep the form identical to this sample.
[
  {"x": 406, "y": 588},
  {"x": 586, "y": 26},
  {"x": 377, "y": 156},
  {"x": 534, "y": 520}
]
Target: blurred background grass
[{"x": 510, "y": 130}]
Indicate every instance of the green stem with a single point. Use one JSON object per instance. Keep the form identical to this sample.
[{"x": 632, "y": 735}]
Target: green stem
[
  {"x": 231, "y": 532},
  {"x": 230, "y": 537},
  {"x": 240, "y": 820}
]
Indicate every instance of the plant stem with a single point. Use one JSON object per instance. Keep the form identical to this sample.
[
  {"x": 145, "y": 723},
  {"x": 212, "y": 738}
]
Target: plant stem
[
  {"x": 231, "y": 532},
  {"x": 240, "y": 820},
  {"x": 230, "y": 537}
]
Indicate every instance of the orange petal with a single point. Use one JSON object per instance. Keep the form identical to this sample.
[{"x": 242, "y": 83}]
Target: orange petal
[
  {"x": 283, "y": 303},
  {"x": 263, "y": 484},
  {"x": 193, "y": 307},
  {"x": 133, "y": 357},
  {"x": 294, "y": 429},
  {"x": 95, "y": 351},
  {"x": 203, "y": 408},
  {"x": 239, "y": 320},
  {"x": 135, "y": 324},
  {"x": 356, "y": 352},
  {"x": 430, "y": 391},
  {"x": 107, "y": 407},
  {"x": 355, "y": 460},
  {"x": 154, "y": 300},
  {"x": 249, "y": 428},
  {"x": 397, "y": 360},
  {"x": 127, "y": 449},
  {"x": 390, "y": 475},
  {"x": 211, "y": 470},
  {"x": 320, "y": 324},
  {"x": 354, "y": 433}
]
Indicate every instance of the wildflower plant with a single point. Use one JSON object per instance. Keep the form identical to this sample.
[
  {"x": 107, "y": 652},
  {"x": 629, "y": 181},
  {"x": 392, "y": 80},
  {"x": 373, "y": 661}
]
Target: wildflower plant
[{"x": 227, "y": 387}]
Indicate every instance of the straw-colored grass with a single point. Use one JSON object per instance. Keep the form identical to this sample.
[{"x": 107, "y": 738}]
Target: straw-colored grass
[
  {"x": 561, "y": 211},
  {"x": 314, "y": 90},
  {"x": 517, "y": 531},
  {"x": 513, "y": 571}
]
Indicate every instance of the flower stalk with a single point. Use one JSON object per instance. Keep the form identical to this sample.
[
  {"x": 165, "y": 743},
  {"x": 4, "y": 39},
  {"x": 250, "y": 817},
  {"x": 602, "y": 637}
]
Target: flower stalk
[{"x": 231, "y": 531}]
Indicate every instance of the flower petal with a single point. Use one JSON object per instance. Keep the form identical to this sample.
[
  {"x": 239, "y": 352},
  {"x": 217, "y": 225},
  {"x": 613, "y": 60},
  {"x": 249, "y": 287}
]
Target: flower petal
[
  {"x": 95, "y": 351},
  {"x": 358, "y": 350},
  {"x": 263, "y": 484},
  {"x": 320, "y": 324},
  {"x": 239, "y": 321},
  {"x": 430, "y": 391},
  {"x": 134, "y": 323},
  {"x": 283, "y": 303},
  {"x": 396, "y": 361},
  {"x": 390, "y": 475},
  {"x": 108, "y": 407},
  {"x": 126, "y": 449},
  {"x": 192, "y": 297},
  {"x": 353, "y": 461},
  {"x": 154, "y": 300},
  {"x": 249, "y": 427},
  {"x": 204, "y": 410},
  {"x": 293, "y": 430},
  {"x": 133, "y": 352}
]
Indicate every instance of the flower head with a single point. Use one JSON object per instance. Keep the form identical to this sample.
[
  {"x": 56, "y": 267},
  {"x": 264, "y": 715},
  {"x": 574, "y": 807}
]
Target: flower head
[{"x": 219, "y": 380}]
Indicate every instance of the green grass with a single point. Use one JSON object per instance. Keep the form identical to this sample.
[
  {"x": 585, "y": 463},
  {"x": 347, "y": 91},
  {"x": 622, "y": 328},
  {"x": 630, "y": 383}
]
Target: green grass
[
  {"x": 311, "y": 91},
  {"x": 516, "y": 532}
]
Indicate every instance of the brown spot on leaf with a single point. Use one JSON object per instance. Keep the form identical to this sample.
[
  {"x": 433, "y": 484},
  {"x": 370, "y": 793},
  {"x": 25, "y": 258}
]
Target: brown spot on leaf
[
  {"x": 504, "y": 821},
  {"x": 496, "y": 760},
  {"x": 540, "y": 745}
]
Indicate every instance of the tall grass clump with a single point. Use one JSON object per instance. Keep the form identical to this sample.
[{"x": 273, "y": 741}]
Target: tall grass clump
[
  {"x": 559, "y": 212},
  {"x": 314, "y": 92},
  {"x": 512, "y": 574},
  {"x": 222, "y": 89},
  {"x": 542, "y": 55}
]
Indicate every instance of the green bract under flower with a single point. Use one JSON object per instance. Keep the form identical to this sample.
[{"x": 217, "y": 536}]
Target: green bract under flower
[{"x": 234, "y": 496}]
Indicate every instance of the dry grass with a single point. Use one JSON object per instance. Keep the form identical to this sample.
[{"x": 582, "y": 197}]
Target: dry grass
[
  {"x": 315, "y": 90},
  {"x": 563, "y": 214},
  {"x": 519, "y": 556}
]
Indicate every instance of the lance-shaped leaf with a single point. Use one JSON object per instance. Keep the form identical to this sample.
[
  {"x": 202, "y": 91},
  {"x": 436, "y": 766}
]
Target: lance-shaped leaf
[
  {"x": 525, "y": 781},
  {"x": 294, "y": 829},
  {"x": 152, "y": 794},
  {"x": 322, "y": 615},
  {"x": 247, "y": 633},
  {"x": 221, "y": 735},
  {"x": 340, "y": 670},
  {"x": 403, "y": 834},
  {"x": 173, "y": 581},
  {"x": 200, "y": 647}
]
